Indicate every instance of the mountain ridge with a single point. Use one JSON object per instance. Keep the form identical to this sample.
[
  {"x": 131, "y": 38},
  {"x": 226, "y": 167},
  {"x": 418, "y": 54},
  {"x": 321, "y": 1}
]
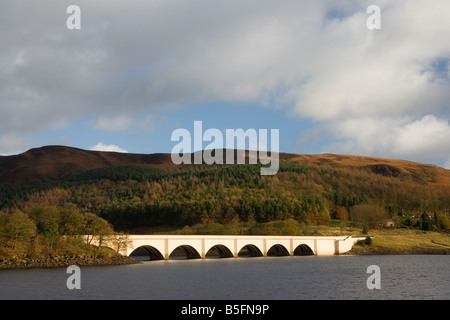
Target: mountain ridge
[
  {"x": 147, "y": 190},
  {"x": 53, "y": 163}
]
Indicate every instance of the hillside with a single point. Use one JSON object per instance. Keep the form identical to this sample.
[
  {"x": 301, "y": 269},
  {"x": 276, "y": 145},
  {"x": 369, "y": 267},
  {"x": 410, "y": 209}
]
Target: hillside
[
  {"x": 53, "y": 163},
  {"x": 134, "y": 191}
]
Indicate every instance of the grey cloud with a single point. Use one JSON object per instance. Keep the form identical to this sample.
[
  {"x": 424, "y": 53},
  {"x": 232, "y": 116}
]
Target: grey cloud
[{"x": 316, "y": 58}]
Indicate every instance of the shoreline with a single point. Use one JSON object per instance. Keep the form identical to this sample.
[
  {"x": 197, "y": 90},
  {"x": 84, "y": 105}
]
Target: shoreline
[
  {"x": 393, "y": 252},
  {"x": 63, "y": 261},
  {"x": 367, "y": 250}
]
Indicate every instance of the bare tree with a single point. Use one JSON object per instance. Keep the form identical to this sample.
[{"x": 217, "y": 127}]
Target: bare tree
[{"x": 367, "y": 215}]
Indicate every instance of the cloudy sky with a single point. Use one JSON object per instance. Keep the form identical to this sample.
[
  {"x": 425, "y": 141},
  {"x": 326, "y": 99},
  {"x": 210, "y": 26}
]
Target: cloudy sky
[{"x": 137, "y": 70}]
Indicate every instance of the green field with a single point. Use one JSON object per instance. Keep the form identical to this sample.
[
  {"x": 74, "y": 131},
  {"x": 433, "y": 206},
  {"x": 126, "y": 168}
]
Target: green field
[{"x": 405, "y": 241}]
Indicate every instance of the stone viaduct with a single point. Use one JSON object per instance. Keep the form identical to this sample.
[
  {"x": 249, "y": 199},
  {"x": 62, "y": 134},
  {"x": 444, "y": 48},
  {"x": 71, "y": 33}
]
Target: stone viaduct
[{"x": 159, "y": 247}]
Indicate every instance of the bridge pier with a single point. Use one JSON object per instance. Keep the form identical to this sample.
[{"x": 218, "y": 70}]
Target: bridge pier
[{"x": 166, "y": 249}]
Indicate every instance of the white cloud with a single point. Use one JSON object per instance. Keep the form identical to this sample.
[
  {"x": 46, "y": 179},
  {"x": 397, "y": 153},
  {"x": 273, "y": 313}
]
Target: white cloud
[
  {"x": 120, "y": 123},
  {"x": 12, "y": 144},
  {"x": 378, "y": 91},
  {"x": 318, "y": 57},
  {"x": 103, "y": 147},
  {"x": 447, "y": 164},
  {"x": 424, "y": 138}
]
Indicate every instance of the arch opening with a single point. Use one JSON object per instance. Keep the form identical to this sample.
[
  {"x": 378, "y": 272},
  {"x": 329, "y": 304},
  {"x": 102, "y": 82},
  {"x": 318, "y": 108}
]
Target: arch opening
[
  {"x": 250, "y": 250},
  {"x": 184, "y": 252},
  {"x": 278, "y": 250},
  {"x": 219, "y": 251},
  {"x": 303, "y": 250},
  {"x": 145, "y": 253}
]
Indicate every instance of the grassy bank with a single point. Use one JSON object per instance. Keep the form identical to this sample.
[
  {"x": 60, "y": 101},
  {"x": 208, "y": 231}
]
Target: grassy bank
[{"x": 404, "y": 241}]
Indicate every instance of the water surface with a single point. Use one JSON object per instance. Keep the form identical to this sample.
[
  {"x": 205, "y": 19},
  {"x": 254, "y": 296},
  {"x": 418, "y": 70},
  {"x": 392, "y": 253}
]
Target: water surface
[{"x": 283, "y": 278}]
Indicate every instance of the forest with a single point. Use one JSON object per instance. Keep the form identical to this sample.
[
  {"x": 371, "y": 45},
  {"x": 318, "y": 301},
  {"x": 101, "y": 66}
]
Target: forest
[
  {"x": 114, "y": 200},
  {"x": 132, "y": 197},
  {"x": 54, "y": 231}
]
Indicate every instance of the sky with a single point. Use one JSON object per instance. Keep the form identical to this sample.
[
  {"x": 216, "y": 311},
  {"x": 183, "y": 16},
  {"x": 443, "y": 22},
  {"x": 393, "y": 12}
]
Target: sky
[{"x": 137, "y": 70}]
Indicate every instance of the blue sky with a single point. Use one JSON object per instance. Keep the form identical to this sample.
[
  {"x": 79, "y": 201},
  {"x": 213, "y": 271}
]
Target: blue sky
[
  {"x": 138, "y": 70},
  {"x": 157, "y": 138}
]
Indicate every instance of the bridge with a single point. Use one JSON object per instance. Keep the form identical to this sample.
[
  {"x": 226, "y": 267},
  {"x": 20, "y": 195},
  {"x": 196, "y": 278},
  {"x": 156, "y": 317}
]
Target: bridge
[{"x": 163, "y": 247}]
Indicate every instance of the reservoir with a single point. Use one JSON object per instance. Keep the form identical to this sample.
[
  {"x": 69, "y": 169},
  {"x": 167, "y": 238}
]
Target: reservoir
[{"x": 272, "y": 278}]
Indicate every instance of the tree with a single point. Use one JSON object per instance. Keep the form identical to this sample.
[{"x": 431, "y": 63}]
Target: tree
[
  {"x": 365, "y": 229},
  {"x": 444, "y": 222},
  {"x": 342, "y": 213},
  {"x": 74, "y": 223},
  {"x": 97, "y": 228},
  {"x": 47, "y": 221},
  {"x": 19, "y": 228},
  {"x": 120, "y": 241},
  {"x": 437, "y": 221},
  {"x": 367, "y": 215},
  {"x": 231, "y": 217},
  {"x": 289, "y": 227}
]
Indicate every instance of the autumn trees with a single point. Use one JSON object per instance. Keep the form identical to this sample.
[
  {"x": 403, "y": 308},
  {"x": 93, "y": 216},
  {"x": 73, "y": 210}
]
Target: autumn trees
[
  {"x": 41, "y": 231},
  {"x": 16, "y": 228},
  {"x": 133, "y": 197},
  {"x": 367, "y": 216}
]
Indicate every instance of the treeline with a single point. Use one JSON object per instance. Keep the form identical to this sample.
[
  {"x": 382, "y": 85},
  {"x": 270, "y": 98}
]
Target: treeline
[
  {"x": 10, "y": 196},
  {"x": 130, "y": 197},
  {"x": 51, "y": 231}
]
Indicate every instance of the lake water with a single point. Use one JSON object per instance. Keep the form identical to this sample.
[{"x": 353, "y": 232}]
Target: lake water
[{"x": 273, "y": 278}]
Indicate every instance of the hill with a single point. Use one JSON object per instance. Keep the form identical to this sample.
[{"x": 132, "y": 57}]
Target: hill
[
  {"x": 54, "y": 163},
  {"x": 137, "y": 190}
]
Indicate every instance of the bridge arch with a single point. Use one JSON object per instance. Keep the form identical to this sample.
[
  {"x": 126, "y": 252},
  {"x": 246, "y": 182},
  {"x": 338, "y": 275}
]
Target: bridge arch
[
  {"x": 303, "y": 250},
  {"x": 219, "y": 250},
  {"x": 186, "y": 251},
  {"x": 278, "y": 250},
  {"x": 146, "y": 250},
  {"x": 250, "y": 250}
]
